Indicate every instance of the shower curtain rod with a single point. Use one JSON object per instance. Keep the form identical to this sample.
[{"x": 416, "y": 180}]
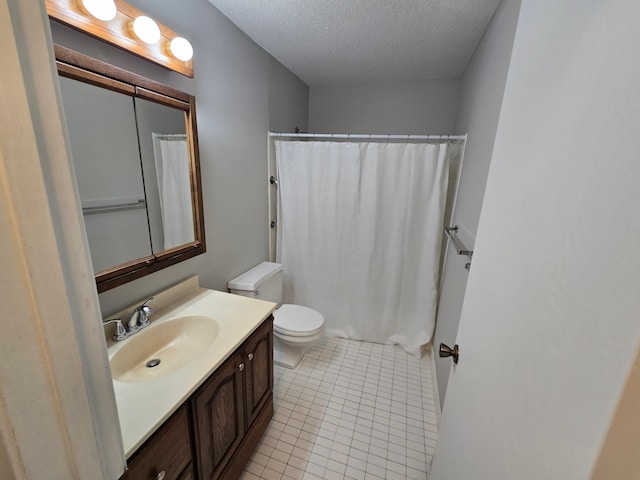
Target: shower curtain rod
[{"x": 369, "y": 136}]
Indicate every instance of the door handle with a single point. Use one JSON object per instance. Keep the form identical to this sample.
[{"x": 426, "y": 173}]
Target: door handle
[{"x": 447, "y": 351}]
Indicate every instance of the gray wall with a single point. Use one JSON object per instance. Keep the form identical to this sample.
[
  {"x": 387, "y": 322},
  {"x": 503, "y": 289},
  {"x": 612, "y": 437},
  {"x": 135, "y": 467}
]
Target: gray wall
[
  {"x": 482, "y": 91},
  {"x": 241, "y": 92},
  {"x": 416, "y": 107}
]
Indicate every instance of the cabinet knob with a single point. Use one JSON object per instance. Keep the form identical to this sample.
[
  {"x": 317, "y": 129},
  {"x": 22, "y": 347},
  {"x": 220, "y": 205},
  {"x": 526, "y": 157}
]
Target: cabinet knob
[
  {"x": 241, "y": 367},
  {"x": 160, "y": 475},
  {"x": 250, "y": 356}
]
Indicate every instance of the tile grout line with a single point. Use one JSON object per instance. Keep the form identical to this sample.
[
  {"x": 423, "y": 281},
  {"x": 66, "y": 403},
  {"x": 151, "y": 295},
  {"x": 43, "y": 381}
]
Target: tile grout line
[{"x": 350, "y": 410}]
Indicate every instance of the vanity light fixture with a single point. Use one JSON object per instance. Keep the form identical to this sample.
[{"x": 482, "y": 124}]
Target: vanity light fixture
[
  {"x": 126, "y": 27},
  {"x": 145, "y": 29},
  {"x": 181, "y": 49},
  {"x": 104, "y": 10}
]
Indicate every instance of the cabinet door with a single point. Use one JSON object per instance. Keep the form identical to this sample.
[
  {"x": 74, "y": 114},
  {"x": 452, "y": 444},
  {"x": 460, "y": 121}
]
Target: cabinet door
[
  {"x": 219, "y": 417},
  {"x": 258, "y": 357},
  {"x": 187, "y": 474}
]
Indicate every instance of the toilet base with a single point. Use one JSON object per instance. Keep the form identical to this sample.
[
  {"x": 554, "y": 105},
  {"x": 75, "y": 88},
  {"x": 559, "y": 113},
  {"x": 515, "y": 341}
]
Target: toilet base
[
  {"x": 285, "y": 355},
  {"x": 288, "y": 360}
]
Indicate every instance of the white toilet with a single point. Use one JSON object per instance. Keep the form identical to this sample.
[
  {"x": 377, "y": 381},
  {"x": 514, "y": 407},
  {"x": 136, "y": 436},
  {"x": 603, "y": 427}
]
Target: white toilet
[{"x": 295, "y": 328}]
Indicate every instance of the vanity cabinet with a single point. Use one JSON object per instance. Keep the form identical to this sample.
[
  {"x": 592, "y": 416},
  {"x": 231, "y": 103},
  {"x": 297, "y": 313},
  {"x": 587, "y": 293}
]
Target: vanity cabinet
[
  {"x": 258, "y": 354},
  {"x": 220, "y": 425},
  {"x": 228, "y": 407},
  {"x": 218, "y": 410},
  {"x": 187, "y": 474},
  {"x": 167, "y": 454}
]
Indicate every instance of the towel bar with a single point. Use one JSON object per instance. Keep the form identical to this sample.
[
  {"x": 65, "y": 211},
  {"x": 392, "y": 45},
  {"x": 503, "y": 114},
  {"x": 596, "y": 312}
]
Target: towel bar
[{"x": 457, "y": 244}]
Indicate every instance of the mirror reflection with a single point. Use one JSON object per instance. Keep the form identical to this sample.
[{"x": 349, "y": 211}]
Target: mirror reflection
[
  {"x": 102, "y": 131},
  {"x": 134, "y": 149},
  {"x": 165, "y": 164}
]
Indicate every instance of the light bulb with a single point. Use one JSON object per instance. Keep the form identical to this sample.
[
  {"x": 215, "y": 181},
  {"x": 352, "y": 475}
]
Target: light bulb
[
  {"x": 101, "y": 9},
  {"x": 146, "y": 30},
  {"x": 181, "y": 49}
]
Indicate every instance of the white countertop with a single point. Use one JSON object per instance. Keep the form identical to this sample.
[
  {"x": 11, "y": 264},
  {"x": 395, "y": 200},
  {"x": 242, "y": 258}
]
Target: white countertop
[{"x": 144, "y": 406}]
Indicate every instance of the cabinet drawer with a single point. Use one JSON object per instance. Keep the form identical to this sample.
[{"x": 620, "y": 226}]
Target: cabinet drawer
[{"x": 168, "y": 451}]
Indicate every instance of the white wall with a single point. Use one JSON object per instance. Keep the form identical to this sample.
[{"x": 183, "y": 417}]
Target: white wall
[
  {"x": 241, "y": 92},
  {"x": 480, "y": 101},
  {"x": 416, "y": 107},
  {"x": 549, "y": 326},
  {"x": 58, "y": 416}
]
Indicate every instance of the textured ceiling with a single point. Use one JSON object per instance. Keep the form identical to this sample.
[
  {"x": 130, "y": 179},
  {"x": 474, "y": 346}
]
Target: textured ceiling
[{"x": 327, "y": 42}]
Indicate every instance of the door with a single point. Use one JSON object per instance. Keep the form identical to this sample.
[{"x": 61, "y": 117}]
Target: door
[
  {"x": 219, "y": 417},
  {"x": 549, "y": 325},
  {"x": 258, "y": 358}
]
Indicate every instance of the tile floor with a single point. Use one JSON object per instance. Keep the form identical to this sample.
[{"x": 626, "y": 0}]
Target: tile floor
[{"x": 353, "y": 410}]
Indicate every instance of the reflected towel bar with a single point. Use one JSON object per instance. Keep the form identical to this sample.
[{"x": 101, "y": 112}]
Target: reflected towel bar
[
  {"x": 90, "y": 207},
  {"x": 457, "y": 244}
]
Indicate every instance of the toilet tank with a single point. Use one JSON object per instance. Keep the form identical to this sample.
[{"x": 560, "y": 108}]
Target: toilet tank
[{"x": 263, "y": 281}]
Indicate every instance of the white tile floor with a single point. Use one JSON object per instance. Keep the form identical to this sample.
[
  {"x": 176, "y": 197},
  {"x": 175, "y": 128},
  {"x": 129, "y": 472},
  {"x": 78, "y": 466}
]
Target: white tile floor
[{"x": 353, "y": 410}]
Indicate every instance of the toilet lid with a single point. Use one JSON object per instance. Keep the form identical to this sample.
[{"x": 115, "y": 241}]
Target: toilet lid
[{"x": 297, "y": 320}]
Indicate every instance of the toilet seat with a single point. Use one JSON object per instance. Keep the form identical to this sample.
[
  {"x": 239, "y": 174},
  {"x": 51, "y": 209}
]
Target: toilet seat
[{"x": 297, "y": 321}]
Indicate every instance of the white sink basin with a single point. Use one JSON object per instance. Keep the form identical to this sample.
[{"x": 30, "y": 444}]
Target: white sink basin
[{"x": 163, "y": 348}]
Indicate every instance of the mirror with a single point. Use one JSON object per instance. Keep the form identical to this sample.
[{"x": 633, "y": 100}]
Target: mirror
[{"x": 134, "y": 147}]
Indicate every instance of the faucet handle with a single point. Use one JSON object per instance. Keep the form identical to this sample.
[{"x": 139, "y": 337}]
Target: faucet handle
[
  {"x": 144, "y": 312},
  {"x": 146, "y": 309},
  {"x": 121, "y": 332}
]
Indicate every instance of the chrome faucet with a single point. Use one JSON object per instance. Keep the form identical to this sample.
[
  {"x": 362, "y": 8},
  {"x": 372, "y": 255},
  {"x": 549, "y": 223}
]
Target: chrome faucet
[
  {"x": 139, "y": 318},
  {"x": 136, "y": 321}
]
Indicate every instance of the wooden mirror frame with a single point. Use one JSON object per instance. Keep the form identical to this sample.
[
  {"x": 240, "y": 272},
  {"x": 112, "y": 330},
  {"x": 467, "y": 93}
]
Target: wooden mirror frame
[{"x": 86, "y": 69}]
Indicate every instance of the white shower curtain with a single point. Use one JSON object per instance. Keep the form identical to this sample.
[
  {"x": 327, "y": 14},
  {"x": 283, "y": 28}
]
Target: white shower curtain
[
  {"x": 359, "y": 235},
  {"x": 174, "y": 186}
]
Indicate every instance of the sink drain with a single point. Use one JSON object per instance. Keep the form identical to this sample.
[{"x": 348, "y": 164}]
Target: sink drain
[{"x": 153, "y": 363}]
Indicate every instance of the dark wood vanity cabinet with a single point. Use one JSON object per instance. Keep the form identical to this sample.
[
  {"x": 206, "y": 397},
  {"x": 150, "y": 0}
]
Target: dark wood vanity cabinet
[
  {"x": 167, "y": 454},
  {"x": 258, "y": 354},
  {"x": 220, "y": 425},
  {"x": 187, "y": 474},
  {"x": 218, "y": 412},
  {"x": 229, "y": 407}
]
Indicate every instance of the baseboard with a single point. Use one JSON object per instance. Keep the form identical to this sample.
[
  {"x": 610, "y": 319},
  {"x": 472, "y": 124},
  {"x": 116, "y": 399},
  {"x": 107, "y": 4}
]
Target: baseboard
[{"x": 434, "y": 384}]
